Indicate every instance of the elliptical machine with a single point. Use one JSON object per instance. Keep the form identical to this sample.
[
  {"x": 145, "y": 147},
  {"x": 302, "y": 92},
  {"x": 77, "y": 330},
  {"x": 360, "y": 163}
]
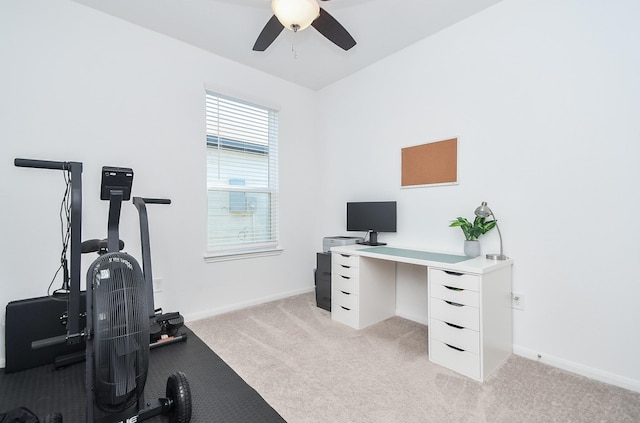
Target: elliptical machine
[{"x": 117, "y": 332}]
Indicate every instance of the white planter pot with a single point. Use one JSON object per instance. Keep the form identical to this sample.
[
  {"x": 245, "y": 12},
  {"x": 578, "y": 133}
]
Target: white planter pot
[{"x": 472, "y": 248}]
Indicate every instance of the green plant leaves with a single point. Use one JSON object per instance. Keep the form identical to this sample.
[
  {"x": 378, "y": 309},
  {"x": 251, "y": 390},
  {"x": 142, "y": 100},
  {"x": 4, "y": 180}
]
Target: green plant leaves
[{"x": 473, "y": 230}]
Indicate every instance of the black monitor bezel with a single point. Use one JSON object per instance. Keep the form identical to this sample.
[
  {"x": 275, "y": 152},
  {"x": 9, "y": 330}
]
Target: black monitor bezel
[{"x": 391, "y": 225}]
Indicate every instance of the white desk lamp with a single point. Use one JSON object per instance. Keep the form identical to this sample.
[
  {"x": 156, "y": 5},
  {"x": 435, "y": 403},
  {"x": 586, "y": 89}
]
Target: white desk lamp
[{"x": 484, "y": 211}]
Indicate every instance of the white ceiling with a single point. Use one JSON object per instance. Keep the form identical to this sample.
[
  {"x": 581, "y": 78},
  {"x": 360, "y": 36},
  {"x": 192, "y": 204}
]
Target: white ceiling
[{"x": 229, "y": 28}]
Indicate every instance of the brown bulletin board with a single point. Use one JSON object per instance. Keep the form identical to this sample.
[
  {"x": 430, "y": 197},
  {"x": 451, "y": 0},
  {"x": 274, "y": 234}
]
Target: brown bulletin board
[{"x": 429, "y": 164}]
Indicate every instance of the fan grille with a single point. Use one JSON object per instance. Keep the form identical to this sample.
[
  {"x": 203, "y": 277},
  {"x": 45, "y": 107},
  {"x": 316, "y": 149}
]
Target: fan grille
[{"x": 121, "y": 331}]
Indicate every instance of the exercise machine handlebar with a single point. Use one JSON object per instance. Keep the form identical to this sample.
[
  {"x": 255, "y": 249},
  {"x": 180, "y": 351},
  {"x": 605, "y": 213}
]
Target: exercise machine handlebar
[
  {"x": 42, "y": 164},
  {"x": 152, "y": 200},
  {"x": 48, "y": 342},
  {"x": 58, "y": 340},
  {"x": 141, "y": 205}
]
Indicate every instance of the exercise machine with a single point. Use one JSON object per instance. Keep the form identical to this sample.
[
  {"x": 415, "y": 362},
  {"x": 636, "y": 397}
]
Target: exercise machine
[
  {"x": 163, "y": 327},
  {"x": 117, "y": 317}
]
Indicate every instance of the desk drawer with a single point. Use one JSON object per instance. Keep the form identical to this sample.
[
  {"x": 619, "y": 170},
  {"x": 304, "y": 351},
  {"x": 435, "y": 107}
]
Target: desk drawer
[
  {"x": 342, "y": 314},
  {"x": 454, "y": 279},
  {"x": 464, "y": 362},
  {"x": 345, "y": 259},
  {"x": 346, "y": 284},
  {"x": 457, "y": 314},
  {"x": 463, "y": 338},
  {"x": 457, "y": 295},
  {"x": 341, "y": 298},
  {"x": 341, "y": 270}
]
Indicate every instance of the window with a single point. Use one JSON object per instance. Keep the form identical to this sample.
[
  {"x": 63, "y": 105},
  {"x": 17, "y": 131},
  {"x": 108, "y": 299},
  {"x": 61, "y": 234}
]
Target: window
[{"x": 242, "y": 177}]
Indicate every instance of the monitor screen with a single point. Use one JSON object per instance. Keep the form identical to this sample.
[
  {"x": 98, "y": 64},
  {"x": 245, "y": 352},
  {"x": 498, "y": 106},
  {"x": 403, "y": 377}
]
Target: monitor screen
[{"x": 374, "y": 216}]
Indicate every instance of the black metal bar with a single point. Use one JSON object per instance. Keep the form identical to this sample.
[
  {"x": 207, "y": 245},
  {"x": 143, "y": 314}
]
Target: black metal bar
[
  {"x": 155, "y": 200},
  {"x": 73, "y": 322},
  {"x": 41, "y": 164},
  {"x": 161, "y": 406},
  {"x": 48, "y": 342},
  {"x": 113, "y": 235},
  {"x": 68, "y": 359},
  {"x": 80, "y": 356},
  {"x": 145, "y": 245}
]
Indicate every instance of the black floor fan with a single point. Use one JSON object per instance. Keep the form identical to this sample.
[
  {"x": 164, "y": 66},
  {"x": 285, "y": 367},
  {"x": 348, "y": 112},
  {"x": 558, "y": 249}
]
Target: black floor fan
[{"x": 117, "y": 332}]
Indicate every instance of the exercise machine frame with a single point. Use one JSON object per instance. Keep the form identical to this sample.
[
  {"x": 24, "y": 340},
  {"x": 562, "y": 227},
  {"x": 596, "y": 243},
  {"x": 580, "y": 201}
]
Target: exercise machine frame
[{"x": 176, "y": 384}]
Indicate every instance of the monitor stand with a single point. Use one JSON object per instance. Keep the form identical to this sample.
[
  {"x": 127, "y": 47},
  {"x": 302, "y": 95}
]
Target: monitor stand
[{"x": 373, "y": 240}]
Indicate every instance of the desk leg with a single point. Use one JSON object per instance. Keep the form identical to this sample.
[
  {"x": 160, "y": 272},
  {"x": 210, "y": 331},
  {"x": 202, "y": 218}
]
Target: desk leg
[{"x": 377, "y": 290}]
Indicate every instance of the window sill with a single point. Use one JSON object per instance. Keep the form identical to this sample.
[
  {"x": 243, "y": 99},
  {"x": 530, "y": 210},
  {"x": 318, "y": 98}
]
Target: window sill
[{"x": 241, "y": 255}]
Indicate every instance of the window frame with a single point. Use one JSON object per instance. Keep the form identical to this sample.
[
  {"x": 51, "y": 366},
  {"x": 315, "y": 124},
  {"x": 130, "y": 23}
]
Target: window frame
[{"x": 241, "y": 250}]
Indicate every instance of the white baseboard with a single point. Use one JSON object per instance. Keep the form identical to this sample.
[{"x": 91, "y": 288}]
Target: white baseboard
[
  {"x": 591, "y": 373},
  {"x": 244, "y": 304}
]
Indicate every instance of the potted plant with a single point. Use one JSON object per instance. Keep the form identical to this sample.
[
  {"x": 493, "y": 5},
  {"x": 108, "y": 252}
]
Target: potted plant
[{"x": 472, "y": 232}]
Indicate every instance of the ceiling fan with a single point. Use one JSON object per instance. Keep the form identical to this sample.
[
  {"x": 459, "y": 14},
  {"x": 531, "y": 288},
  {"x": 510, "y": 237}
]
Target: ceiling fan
[{"x": 297, "y": 15}]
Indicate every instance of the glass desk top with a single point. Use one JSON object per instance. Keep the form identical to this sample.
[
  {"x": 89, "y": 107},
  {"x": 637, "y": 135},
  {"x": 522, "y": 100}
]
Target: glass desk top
[{"x": 420, "y": 255}]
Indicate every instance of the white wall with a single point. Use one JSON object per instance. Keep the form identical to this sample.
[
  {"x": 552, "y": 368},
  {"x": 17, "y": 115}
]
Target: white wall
[
  {"x": 78, "y": 85},
  {"x": 544, "y": 98}
]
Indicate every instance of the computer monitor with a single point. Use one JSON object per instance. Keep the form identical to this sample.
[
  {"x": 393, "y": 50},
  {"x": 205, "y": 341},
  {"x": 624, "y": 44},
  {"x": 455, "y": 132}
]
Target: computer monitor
[{"x": 372, "y": 217}]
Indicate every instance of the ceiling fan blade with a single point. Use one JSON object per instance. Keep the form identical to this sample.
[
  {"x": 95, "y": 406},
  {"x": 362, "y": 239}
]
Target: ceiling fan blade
[
  {"x": 331, "y": 28},
  {"x": 269, "y": 33}
]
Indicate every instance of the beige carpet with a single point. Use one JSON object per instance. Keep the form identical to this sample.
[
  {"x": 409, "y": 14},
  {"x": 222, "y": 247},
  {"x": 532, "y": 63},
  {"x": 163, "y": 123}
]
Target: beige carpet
[{"x": 311, "y": 369}]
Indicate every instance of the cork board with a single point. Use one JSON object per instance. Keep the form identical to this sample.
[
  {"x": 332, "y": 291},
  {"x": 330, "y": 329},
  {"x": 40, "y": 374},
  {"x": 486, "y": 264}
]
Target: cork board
[{"x": 430, "y": 164}]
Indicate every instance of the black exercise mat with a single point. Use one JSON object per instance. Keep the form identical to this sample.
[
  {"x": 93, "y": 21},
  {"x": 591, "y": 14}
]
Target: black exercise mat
[{"x": 218, "y": 393}]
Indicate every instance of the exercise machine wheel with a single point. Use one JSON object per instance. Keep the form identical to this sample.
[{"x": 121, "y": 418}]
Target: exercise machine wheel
[{"x": 179, "y": 392}]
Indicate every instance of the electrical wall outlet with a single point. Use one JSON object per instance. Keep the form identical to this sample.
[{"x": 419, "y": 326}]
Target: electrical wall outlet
[
  {"x": 517, "y": 301},
  {"x": 157, "y": 284}
]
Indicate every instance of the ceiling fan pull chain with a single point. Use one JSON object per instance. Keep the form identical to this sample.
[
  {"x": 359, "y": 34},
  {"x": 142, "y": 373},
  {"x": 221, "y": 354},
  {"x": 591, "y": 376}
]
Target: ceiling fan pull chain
[{"x": 293, "y": 51}]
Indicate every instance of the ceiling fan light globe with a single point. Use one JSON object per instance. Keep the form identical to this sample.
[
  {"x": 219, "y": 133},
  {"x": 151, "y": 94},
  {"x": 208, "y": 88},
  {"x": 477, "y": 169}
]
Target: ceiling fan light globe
[{"x": 295, "y": 15}]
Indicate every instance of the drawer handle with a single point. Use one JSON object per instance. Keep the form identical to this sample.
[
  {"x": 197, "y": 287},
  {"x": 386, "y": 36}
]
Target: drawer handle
[
  {"x": 454, "y": 326},
  {"x": 453, "y": 288},
  {"x": 346, "y": 267},
  {"x": 454, "y": 304},
  {"x": 345, "y": 255},
  {"x": 345, "y": 308},
  {"x": 452, "y": 273},
  {"x": 345, "y": 277},
  {"x": 345, "y": 293},
  {"x": 454, "y": 348}
]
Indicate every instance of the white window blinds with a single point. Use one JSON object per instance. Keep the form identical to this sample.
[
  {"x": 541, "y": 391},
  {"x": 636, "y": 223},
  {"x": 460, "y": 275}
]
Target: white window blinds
[{"x": 242, "y": 176}]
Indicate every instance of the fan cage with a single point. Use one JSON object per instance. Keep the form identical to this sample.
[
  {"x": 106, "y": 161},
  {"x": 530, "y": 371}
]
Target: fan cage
[{"x": 121, "y": 331}]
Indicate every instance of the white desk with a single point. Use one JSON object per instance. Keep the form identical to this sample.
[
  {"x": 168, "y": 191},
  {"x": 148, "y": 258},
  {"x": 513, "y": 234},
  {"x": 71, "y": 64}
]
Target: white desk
[{"x": 470, "y": 328}]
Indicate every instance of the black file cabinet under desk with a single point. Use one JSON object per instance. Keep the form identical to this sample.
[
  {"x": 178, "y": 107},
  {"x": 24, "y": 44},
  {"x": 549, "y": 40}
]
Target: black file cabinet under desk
[{"x": 323, "y": 280}]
